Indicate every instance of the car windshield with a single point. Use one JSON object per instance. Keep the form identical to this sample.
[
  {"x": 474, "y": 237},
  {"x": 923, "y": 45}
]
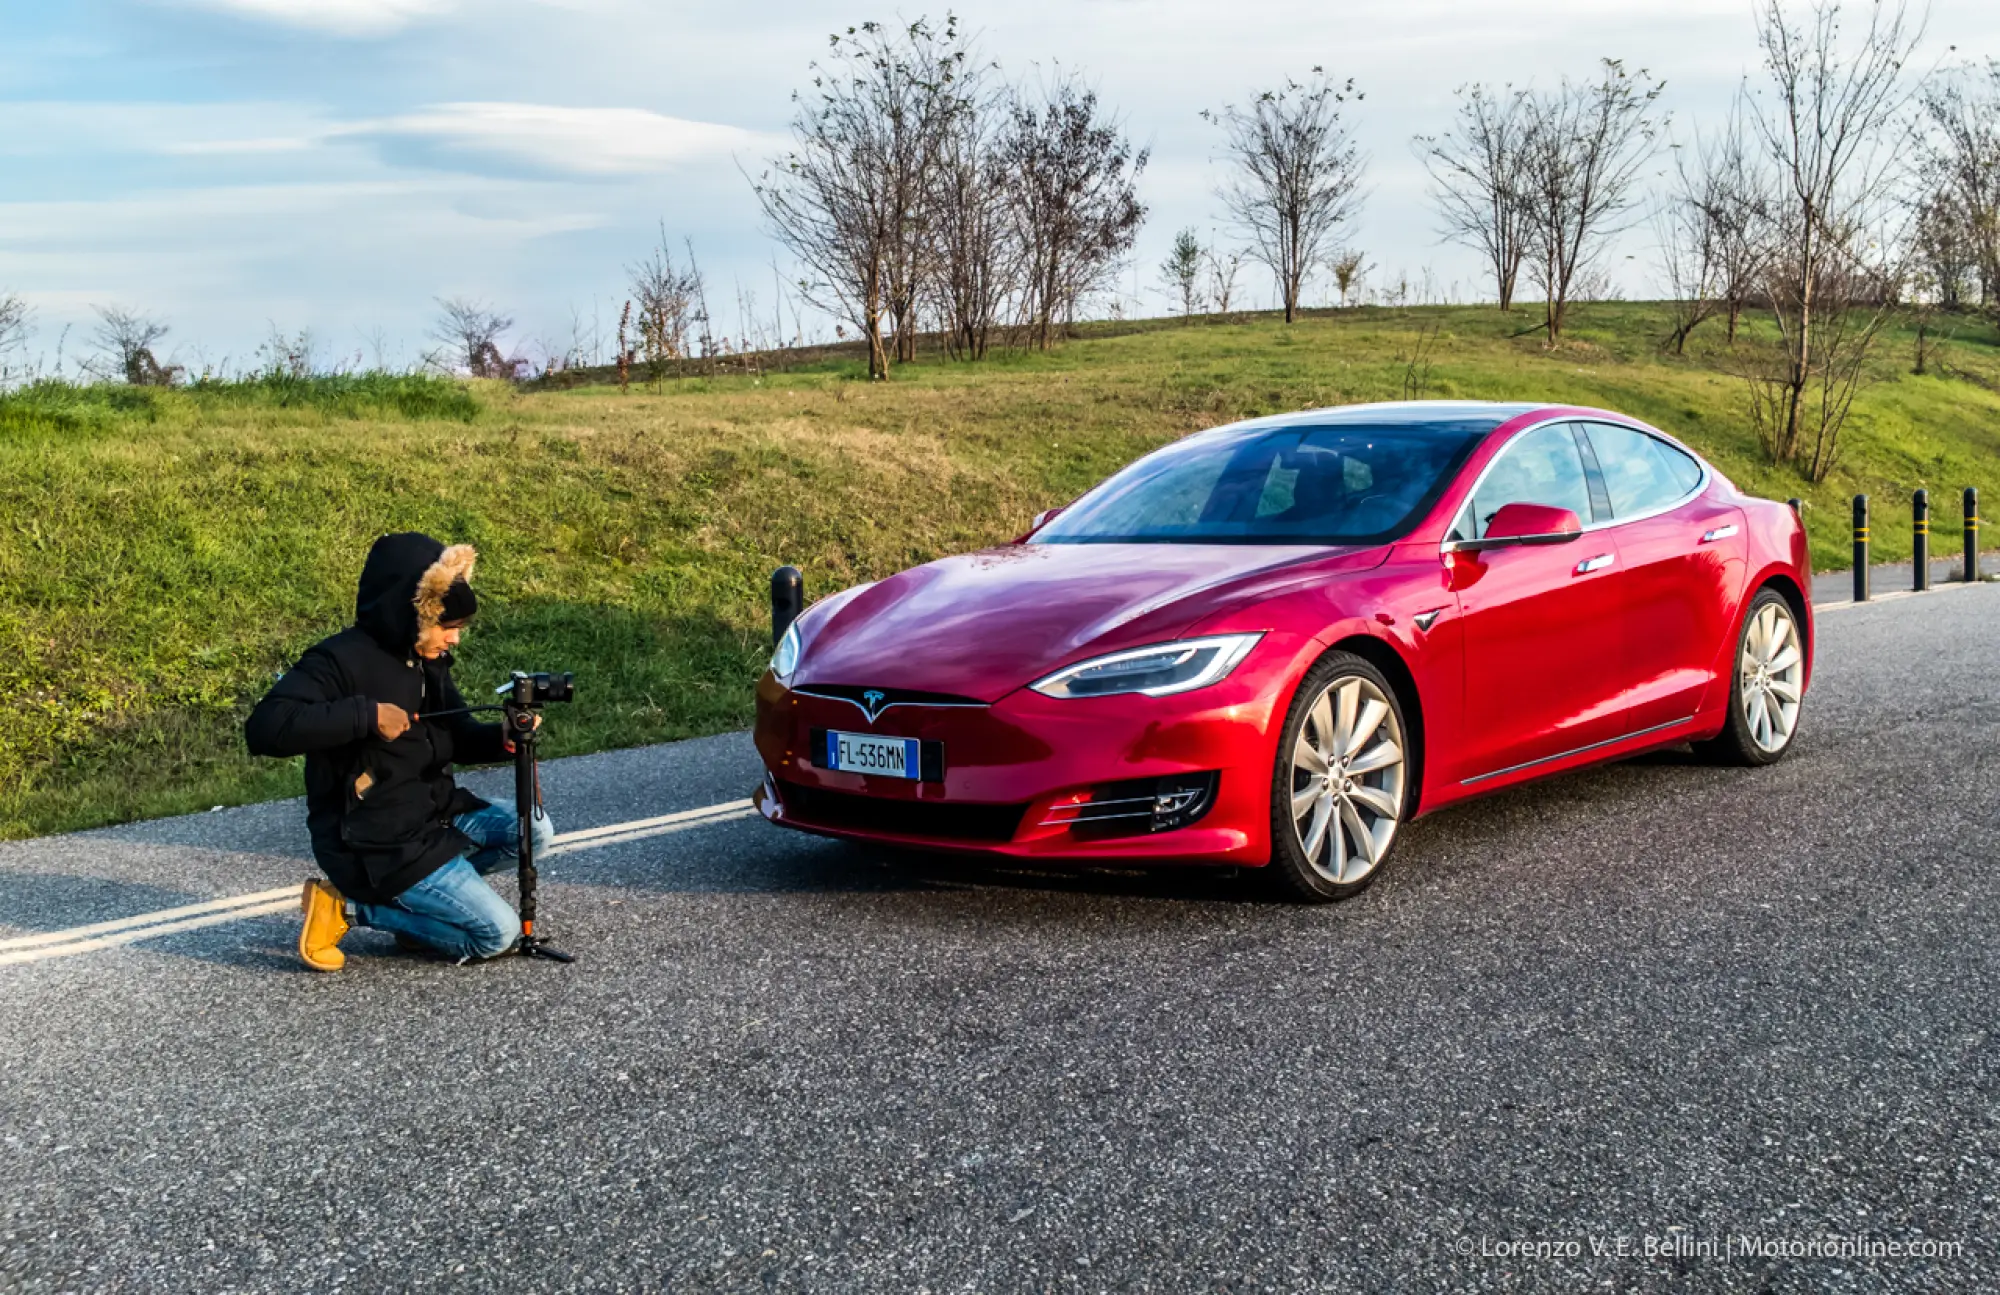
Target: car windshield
[{"x": 1343, "y": 484}]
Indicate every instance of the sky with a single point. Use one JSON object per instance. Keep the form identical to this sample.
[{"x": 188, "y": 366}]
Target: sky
[{"x": 235, "y": 167}]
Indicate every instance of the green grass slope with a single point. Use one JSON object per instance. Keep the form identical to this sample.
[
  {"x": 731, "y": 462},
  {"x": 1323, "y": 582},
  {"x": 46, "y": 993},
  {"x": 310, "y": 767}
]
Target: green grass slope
[{"x": 163, "y": 553}]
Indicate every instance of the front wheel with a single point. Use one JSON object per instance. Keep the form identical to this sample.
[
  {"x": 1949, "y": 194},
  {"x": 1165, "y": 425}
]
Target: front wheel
[
  {"x": 1339, "y": 788},
  {"x": 1765, "y": 688}
]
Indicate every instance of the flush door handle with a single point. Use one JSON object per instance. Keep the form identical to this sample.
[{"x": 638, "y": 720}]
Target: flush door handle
[{"x": 1597, "y": 563}]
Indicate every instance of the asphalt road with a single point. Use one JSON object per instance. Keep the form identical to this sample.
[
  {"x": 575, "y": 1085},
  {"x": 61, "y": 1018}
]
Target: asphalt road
[{"x": 1654, "y": 1001}]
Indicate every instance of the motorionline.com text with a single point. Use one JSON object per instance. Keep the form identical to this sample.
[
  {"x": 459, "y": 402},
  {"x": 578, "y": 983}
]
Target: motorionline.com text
[{"x": 1686, "y": 1245}]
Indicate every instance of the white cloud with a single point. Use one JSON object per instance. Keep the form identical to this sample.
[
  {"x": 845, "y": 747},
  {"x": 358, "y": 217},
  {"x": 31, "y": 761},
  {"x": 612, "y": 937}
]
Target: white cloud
[
  {"x": 338, "y": 17},
  {"x": 364, "y": 18},
  {"x": 30, "y": 128},
  {"x": 574, "y": 141},
  {"x": 481, "y": 137},
  {"x": 223, "y": 263}
]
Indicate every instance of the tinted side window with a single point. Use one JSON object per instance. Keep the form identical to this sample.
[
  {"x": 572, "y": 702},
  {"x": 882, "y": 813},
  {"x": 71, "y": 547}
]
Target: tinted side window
[
  {"x": 1542, "y": 467},
  {"x": 1641, "y": 472}
]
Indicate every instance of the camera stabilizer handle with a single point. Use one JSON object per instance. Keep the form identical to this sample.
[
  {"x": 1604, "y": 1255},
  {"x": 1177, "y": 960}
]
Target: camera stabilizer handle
[{"x": 519, "y": 714}]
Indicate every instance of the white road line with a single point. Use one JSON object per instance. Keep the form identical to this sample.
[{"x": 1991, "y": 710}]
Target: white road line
[
  {"x": 1896, "y": 595},
  {"x": 289, "y": 904},
  {"x": 147, "y": 919},
  {"x": 563, "y": 846},
  {"x": 214, "y": 912},
  {"x": 620, "y": 829}
]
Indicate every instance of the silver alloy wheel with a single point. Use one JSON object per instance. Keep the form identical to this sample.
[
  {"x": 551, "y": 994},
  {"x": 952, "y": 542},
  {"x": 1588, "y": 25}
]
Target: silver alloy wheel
[
  {"x": 1770, "y": 670},
  {"x": 1347, "y": 780}
]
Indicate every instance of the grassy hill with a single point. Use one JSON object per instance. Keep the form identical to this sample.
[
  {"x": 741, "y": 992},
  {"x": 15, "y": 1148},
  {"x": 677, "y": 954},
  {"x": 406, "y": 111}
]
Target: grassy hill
[{"x": 164, "y": 552}]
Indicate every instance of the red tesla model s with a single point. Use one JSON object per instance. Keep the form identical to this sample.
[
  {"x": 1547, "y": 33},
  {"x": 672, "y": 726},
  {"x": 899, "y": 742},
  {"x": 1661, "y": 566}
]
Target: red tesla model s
[{"x": 1276, "y": 642}]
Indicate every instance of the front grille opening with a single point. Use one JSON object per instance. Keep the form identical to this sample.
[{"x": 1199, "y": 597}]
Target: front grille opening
[
  {"x": 937, "y": 820},
  {"x": 1138, "y": 807}
]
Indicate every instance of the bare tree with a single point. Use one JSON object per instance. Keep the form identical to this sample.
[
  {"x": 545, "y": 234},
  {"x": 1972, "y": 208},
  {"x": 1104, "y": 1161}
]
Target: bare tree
[
  {"x": 1478, "y": 177},
  {"x": 289, "y": 356},
  {"x": 1963, "y": 160},
  {"x": 470, "y": 331},
  {"x": 1826, "y": 128},
  {"x": 1585, "y": 147},
  {"x": 126, "y": 340},
  {"x": 852, "y": 199},
  {"x": 1714, "y": 229},
  {"x": 1690, "y": 255},
  {"x": 1076, "y": 200},
  {"x": 1297, "y": 176},
  {"x": 1945, "y": 245},
  {"x": 1349, "y": 269},
  {"x": 13, "y": 328},
  {"x": 1943, "y": 262},
  {"x": 1180, "y": 273},
  {"x": 1737, "y": 187},
  {"x": 977, "y": 256},
  {"x": 1223, "y": 266},
  {"x": 665, "y": 302},
  {"x": 931, "y": 73}
]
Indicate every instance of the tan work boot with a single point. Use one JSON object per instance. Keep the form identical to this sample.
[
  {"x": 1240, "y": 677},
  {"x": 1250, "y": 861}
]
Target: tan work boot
[{"x": 325, "y": 922}]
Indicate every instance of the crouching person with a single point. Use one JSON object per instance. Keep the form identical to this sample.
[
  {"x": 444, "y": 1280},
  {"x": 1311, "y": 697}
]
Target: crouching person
[{"x": 403, "y": 847}]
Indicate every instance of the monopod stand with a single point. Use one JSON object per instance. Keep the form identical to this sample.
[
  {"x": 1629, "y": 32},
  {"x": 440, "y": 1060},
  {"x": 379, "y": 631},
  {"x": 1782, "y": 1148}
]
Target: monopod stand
[{"x": 519, "y": 718}]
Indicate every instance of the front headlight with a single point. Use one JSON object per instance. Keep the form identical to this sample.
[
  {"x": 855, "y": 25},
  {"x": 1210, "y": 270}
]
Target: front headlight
[
  {"x": 1153, "y": 671},
  {"x": 786, "y": 658}
]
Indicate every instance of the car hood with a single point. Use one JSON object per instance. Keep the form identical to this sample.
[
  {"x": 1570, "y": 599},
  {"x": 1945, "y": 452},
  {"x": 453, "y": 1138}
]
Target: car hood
[{"x": 981, "y": 625}]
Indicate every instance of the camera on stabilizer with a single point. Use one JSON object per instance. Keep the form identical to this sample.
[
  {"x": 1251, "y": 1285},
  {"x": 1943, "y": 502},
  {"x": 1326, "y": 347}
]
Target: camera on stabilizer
[{"x": 539, "y": 690}]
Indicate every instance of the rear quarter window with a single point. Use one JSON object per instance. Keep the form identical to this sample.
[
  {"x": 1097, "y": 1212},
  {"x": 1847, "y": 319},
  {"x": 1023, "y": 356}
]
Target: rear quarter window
[{"x": 1642, "y": 473}]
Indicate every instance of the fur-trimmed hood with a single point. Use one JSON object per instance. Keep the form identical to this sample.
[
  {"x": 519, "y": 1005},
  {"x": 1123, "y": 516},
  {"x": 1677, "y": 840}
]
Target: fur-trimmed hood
[{"x": 406, "y": 584}]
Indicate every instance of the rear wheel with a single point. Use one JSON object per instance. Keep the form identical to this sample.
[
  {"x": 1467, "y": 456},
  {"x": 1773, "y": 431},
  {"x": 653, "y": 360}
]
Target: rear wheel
[
  {"x": 1765, "y": 688},
  {"x": 1340, "y": 785}
]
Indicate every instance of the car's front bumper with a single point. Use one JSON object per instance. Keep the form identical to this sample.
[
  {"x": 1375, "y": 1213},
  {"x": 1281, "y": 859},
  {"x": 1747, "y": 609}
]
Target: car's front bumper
[{"x": 1014, "y": 771}]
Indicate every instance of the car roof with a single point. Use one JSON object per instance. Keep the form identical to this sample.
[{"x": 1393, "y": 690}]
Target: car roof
[
  {"x": 1392, "y": 413},
  {"x": 1415, "y": 411}
]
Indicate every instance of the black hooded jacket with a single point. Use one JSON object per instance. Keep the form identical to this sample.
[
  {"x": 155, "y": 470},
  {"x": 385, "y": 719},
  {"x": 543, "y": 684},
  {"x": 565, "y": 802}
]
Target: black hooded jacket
[{"x": 380, "y": 812}]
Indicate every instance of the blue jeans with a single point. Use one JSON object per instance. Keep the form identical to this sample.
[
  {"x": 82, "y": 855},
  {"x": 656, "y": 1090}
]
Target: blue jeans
[{"x": 452, "y": 910}]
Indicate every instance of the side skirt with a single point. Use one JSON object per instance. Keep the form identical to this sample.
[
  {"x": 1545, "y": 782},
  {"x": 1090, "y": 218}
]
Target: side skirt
[{"x": 1620, "y": 740}]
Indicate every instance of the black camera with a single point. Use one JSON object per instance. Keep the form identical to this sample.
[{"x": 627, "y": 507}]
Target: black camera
[{"x": 539, "y": 690}]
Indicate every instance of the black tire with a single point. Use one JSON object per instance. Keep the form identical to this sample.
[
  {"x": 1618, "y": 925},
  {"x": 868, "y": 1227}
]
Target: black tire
[
  {"x": 1292, "y": 873},
  {"x": 1738, "y": 745}
]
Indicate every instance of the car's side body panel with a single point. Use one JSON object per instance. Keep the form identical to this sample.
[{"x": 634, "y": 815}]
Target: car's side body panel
[
  {"x": 1681, "y": 592},
  {"x": 1543, "y": 631}
]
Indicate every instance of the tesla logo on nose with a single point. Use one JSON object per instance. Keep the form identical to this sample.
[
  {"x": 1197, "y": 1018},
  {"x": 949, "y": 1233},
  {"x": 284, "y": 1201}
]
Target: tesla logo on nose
[{"x": 871, "y": 703}]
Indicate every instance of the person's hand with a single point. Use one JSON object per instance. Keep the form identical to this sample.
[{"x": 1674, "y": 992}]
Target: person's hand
[
  {"x": 534, "y": 722},
  {"x": 391, "y": 721}
]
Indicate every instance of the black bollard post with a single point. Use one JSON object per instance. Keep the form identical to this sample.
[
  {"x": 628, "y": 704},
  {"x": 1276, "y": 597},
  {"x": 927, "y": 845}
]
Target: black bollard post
[
  {"x": 788, "y": 599},
  {"x": 1971, "y": 534},
  {"x": 1920, "y": 541},
  {"x": 1861, "y": 548}
]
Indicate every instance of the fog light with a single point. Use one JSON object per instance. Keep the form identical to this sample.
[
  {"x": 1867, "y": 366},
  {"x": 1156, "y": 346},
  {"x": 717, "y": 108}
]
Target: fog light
[
  {"x": 1181, "y": 800},
  {"x": 1141, "y": 805}
]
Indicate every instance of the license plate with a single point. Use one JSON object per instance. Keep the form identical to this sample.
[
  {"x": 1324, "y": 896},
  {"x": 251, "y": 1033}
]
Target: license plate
[{"x": 885, "y": 757}]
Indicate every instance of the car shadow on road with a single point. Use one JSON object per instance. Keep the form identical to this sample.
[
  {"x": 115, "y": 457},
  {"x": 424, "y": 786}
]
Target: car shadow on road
[{"x": 746, "y": 855}]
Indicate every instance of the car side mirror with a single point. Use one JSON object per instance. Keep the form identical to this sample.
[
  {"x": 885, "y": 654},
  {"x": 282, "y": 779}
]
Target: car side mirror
[
  {"x": 1041, "y": 519},
  {"x": 1524, "y": 524}
]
